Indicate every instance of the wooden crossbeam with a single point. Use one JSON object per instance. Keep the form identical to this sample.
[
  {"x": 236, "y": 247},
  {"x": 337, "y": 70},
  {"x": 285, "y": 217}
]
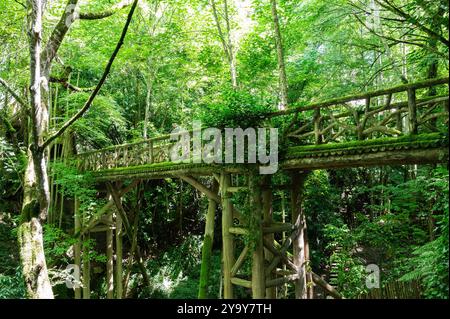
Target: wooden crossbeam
[
  {"x": 239, "y": 261},
  {"x": 241, "y": 282},
  {"x": 278, "y": 228},
  {"x": 281, "y": 281},
  {"x": 281, "y": 254},
  {"x": 326, "y": 286},
  {"x": 278, "y": 256},
  {"x": 210, "y": 194},
  {"x": 202, "y": 188},
  {"x": 238, "y": 230},
  {"x": 235, "y": 189},
  {"x": 95, "y": 219}
]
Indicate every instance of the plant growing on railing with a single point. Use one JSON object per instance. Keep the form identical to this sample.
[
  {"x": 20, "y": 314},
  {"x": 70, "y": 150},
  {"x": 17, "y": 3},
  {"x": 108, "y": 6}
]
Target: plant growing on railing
[{"x": 234, "y": 108}]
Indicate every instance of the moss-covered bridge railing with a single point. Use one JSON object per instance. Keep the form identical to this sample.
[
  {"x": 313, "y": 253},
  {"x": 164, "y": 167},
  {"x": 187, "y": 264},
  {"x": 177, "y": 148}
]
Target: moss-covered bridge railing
[{"x": 400, "y": 125}]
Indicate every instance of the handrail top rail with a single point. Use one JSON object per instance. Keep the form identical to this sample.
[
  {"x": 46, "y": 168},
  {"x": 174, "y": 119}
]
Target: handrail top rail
[{"x": 361, "y": 96}]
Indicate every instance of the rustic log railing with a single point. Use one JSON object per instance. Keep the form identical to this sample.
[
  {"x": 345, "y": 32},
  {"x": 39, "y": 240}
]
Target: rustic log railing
[
  {"x": 401, "y": 110},
  {"x": 150, "y": 151}
]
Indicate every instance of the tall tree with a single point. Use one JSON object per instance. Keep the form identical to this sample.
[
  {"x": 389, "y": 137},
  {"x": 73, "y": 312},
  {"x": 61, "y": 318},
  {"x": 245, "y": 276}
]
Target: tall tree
[
  {"x": 280, "y": 55},
  {"x": 225, "y": 39},
  {"x": 36, "y": 197}
]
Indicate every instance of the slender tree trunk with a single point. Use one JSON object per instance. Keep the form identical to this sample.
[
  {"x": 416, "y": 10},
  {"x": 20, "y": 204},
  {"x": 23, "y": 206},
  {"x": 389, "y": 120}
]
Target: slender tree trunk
[
  {"x": 148, "y": 101},
  {"x": 225, "y": 39},
  {"x": 36, "y": 190},
  {"x": 298, "y": 182},
  {"x": 280, "y": 55}
]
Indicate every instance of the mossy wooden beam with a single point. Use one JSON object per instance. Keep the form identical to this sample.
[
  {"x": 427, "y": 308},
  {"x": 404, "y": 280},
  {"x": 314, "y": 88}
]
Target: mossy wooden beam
[
  {"x": 109, "y": 263},
  {"x": 86, "y": 271},
  {"x": 271, "y": 283},
  {"x": 239, "y": 261},
  {"x": 119, "y": 258},
  {"x": 238, "y": 231},
  {"x": 326, "y": 286},
  {"x": 93, "y": 221},
  {"x": 227, "y": 237},
  {"x": 391, "y": 157},
  {"x": 278, "y": 228},
  {"x": 268, "y": 233},
  {"x": 210, "y": 194},
  {"x": 279, "y": 255},
  {"x": 258, "y": 277},
  {"x": 200, "y": 187},
  {"x": 241, "y": 282}
]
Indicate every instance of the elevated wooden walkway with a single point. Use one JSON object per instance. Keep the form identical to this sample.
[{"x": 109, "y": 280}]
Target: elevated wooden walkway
[{"x": 400, "y": 125}]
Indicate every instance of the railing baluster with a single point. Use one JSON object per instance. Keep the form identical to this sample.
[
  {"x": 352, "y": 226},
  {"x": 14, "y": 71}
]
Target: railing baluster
[
  {"x": 317, "y": 121},
  {"x": 412, "y": 111},
  {"x": 151, "y": 152},
  {"x": 362, "y": 125}
]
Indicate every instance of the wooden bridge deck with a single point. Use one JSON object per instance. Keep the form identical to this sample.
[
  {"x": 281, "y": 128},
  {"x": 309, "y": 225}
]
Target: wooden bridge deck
[{"x": 400, "y": 125}]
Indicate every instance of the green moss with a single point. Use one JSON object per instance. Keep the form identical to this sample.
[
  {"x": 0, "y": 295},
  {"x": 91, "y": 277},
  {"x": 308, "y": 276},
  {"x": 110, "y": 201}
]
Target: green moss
[
  {"x": 403, "y": 141},
  {"x": 205, "y": 267}
]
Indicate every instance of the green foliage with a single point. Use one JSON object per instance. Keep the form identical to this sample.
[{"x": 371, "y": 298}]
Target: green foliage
[
  {"x": 74, "y": 184},
  {"x": 102, "y": 125},
  {"x": 234, "y": 108},
  {"x": 12, "y": 165},
  {"x": 12, "y": 286},
  {"x": 350, "y": 271},
  {"x": 430, "y": 262},
  {"x": 176, "y": 273},
  {"x": 57, "y": 245}
]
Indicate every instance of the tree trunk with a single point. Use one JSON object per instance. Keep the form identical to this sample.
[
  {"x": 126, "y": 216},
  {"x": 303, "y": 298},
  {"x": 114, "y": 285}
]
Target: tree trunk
[
  {"x": 280, "y": 55},
  {"x": 36, "y": 188},
  {"x": 225, "y": 39},
  {"x": 298, "y": 182}
]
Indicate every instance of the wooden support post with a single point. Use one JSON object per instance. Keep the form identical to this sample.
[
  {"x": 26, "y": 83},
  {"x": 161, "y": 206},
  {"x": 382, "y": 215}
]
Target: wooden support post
[
  {"x": 207, "y": 246},
  {"x": 298, "y": 181},
  {"x": 133, "y": 249},
  {"x": 227, "y": 237},
  {"x": 109, "y": 263},
  {"x": 283, "y": 236},
  {"x": 119, "y": 257},
  {"x": 309, "y": 279},
  {"x": 77, "y": 246},
  {"x": 86, "y": 271},
  {"x": 128, "y": 231},
  {"x": 267, "y": 218},
  {"x": 258, "y": 277},
  {"x": 412, "y": 111}
]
